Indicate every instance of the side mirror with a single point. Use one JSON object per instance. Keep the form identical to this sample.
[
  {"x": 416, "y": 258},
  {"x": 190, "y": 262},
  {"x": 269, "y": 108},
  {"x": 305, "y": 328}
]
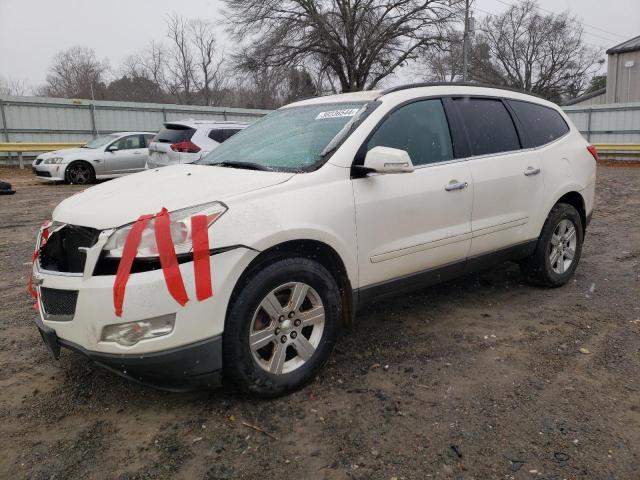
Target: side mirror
[
  {"x": 112, "y": 148},
  {"x": 388, "y": 160}
]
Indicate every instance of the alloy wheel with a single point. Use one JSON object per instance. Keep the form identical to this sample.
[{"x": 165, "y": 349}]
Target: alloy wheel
[
  {"x": 79, "y": 173},
  {"x": 562, "y": 247},
  {"x": 286, "y": 328}
]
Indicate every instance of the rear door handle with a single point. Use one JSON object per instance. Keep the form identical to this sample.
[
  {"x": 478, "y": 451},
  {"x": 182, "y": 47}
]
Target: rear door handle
[
  {"x": 137, "y": 152},
  {"x": 531, "y": 171},
  {"x": 456, "y": 185}
]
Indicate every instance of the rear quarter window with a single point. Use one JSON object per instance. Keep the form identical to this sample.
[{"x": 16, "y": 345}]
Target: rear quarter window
[
  {"x": 229, "y": 132},
  {"x": 541, "y": 124},
  {"x": 174, "y": 134},
  {"x": 217, "y": 135}
]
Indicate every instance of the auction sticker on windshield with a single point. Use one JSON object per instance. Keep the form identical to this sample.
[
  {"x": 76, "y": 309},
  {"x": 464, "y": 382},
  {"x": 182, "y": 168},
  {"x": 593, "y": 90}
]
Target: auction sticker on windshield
[{"x": 346, "y": 112}]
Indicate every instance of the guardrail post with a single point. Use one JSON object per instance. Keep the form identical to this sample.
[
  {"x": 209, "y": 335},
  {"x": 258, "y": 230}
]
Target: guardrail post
[
  {"x": 94, "y": 129},
  {"x": 589, "y": 125},
  {"x": 20, "y": 161},
  {"x": 4, "y": 126}
]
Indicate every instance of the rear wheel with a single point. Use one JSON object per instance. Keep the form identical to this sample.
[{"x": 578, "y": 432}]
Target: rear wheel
[
  {"x": 559, "y": 247},
  {"x": 281, "y": 327},
  {"x": 80, "y": 173}
]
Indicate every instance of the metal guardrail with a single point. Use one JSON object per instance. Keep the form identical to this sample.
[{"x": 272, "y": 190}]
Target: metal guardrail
[
  {"x": 617, "y": 147},
  {"x": 20, "y": 148},
  {"x": 605, "y": 149}
]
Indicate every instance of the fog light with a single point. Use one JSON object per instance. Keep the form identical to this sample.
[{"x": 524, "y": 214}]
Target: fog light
[{"x": 130, "y": 333}]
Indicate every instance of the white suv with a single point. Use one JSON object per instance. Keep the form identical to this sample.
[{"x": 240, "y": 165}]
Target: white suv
[
  {"x": 187, "y": 141},
  {"x": 316, "y": 209}
]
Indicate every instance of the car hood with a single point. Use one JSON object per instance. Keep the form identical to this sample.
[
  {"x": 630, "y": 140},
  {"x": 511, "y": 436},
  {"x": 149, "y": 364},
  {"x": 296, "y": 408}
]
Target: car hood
[
  {"x": 65, "y": 152},
  {"x": 123, "y": 200}
]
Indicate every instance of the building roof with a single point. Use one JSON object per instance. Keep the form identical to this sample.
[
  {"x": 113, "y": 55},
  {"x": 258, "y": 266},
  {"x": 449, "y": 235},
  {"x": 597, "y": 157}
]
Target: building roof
[
  {"x": 628, "y": 46},
  {"x": 586, "y": 96}
]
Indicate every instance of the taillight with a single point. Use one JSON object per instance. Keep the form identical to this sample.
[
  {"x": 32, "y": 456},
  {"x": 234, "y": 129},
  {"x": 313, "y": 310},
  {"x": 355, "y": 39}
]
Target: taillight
[
  {"x": 594, "y": 152},
  {"x": 185, "y": 147}
]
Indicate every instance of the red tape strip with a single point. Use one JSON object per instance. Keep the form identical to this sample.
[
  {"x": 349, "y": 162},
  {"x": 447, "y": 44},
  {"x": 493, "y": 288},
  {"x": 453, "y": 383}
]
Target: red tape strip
[
  {"x": 168, "y": 259},
  {"x": 129, "y": 252},
  {"x": 201, "y": 256},
  {"x": 34, "y": 256}
]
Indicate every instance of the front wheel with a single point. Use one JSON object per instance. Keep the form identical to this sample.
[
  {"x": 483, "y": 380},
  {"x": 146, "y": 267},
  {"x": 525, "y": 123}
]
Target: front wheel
[
  {"x": 281, "y": 327},
  {"x": 80, "y": 173},
  {"x": 558, "y": 250}
]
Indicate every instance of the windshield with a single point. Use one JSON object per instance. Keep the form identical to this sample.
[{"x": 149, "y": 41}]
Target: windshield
[
  {"x": 291, "y": 139},
  {"x": 100, "y": 141}
]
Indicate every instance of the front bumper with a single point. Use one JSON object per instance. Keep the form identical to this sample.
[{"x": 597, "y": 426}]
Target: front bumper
[
  {"x": 194, "y": 366},
  {"x": 189, "y": 355},
  {"x": 49, "y": 172}
]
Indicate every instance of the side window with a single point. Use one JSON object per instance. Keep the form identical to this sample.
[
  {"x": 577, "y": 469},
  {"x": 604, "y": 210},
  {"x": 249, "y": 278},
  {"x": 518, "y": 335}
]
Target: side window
[
  {"x": 147, "y": 139},
  {"x": 541, "y": 124},
  {"x": 420, "y": 128},
  {"x": 228, "y": 133},
  {"x": 217, "y": 135},
  {"x": 130, "y": 143},
  {"x": 488, "y": 124}
]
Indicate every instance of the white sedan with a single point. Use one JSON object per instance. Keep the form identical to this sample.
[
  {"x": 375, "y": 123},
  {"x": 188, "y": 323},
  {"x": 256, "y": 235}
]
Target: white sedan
[{"x": 108, "y": 156}]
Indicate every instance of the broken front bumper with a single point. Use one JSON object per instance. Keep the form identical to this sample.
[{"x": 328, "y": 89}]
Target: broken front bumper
[{"x": 198, "y": 365}]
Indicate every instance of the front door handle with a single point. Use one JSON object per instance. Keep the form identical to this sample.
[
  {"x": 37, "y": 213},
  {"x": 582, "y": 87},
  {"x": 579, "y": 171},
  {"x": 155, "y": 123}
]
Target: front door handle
[
  {"x": 531, "y": 171},
  {"x": 456, "y": 185},
  {"x": 137, "y": 153}
]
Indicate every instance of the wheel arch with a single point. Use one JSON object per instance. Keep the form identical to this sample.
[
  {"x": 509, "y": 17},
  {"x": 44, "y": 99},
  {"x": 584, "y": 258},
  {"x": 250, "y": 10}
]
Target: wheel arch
[
  {"x": 576, "y": 200},
  {"x": 319, "y": 251}
]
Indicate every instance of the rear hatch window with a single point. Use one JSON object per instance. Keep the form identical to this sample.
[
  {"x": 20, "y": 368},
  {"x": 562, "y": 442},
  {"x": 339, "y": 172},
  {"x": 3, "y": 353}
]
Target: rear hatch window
[{"x": 174, "y": 134}]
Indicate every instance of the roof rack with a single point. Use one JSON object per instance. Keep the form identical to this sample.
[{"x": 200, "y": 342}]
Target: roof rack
[{"x": 455, "y": 84}]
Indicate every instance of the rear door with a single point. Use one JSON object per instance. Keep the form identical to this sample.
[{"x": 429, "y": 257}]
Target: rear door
[
  {"x": 129, "y": 157},
  {"x": 507, "y": 179},
  {"x": 161, "y": 152},
  {"x": 413, "y": 222}
]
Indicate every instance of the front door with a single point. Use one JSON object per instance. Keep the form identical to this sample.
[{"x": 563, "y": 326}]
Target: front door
[
  {"x": 129, "y": 156},
  {"x": 408, "y": 223}
]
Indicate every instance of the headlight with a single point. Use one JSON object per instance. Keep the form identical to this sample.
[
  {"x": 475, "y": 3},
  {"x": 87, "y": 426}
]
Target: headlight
[
  {"x": 54, "y": 160},
  {"x": 180, "y": 228}
]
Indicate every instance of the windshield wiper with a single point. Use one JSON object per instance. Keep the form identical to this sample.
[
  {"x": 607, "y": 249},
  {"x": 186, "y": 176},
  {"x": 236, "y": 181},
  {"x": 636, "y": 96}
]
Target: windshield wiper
[{"x": 245, "y": 165}]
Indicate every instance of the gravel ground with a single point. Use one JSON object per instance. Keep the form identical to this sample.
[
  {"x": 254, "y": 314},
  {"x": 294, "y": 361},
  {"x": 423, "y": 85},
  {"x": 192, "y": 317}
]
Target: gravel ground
[{"x": 482, "y": 377}]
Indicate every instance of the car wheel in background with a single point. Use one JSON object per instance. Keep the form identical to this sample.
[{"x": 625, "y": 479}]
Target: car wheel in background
[
  {"x": 558, "y": 250},
  {"x": 281, "y": 327},
  {"x": 80, "y": 173}
]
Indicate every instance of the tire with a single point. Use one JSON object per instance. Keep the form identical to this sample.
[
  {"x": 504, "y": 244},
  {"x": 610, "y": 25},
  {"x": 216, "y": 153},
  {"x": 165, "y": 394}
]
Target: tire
[
  {"x": 565, "y": 246},
  {"x": 256, "y": 369},
  {"x": 80, "y": 173}
]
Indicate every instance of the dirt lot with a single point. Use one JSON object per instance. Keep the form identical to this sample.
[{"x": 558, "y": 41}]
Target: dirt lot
[{"x": 477, "y": 378}]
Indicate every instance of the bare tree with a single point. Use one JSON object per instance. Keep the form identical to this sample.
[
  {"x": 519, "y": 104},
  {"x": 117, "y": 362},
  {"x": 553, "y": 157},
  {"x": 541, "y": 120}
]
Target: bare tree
[
  {"x": 211, "y": 78},
  {"x": 181, "y": 62},
  {"x": 536, "y": 52},
  {"x": 76, "y": 73},
  {"x": 443, "y": 63},
  {"x": 359, "y": 42},
  {"x": 12, "y": 86}
]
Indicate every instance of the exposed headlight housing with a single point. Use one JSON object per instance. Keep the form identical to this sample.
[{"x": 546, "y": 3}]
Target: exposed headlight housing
[
  {"x": 180, "y": 228},
  {"x": 54, "y": 160},
  {"x": 130, "y": 333}
]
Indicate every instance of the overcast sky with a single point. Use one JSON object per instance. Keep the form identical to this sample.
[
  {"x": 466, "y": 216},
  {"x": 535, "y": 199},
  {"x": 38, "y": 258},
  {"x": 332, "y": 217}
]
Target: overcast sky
[{"x": 32, "y": 31}]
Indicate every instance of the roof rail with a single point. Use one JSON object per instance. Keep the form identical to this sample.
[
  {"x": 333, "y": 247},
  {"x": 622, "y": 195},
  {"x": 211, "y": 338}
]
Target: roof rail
[{"x": 456, "y": 84}]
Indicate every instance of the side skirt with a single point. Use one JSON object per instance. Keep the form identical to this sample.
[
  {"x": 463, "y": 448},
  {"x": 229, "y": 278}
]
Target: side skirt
[{"x": 426, "y": 278}]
